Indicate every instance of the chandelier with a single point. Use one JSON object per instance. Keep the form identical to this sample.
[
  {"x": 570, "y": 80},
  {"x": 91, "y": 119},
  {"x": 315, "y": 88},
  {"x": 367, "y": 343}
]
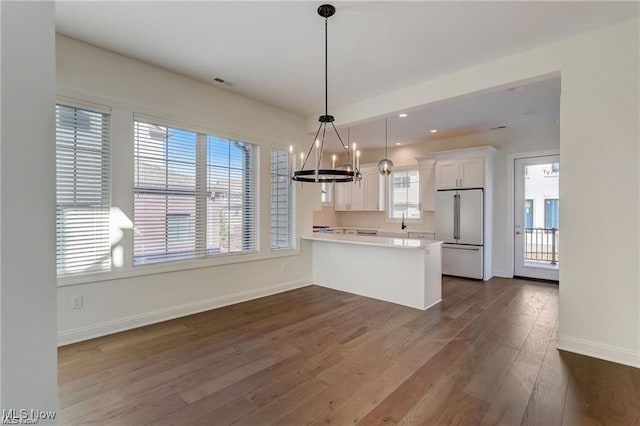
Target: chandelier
[{"x": 351, "y": 172}]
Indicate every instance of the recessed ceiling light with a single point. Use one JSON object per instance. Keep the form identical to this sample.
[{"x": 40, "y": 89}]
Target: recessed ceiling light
[
  {"x": 433, "y": 131},
  {"x": 398, "y": 143},
  {"x": 403, "y": 115}
]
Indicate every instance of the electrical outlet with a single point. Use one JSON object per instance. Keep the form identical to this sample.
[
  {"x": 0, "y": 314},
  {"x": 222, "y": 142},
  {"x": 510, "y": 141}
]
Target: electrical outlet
[
  {"x": 285, "y": 267},
  {"x": 76, "y": 302}
]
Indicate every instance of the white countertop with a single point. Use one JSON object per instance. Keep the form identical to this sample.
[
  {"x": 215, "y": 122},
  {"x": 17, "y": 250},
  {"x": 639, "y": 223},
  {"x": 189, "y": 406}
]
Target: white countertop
[{"x": 367, "y": 240}]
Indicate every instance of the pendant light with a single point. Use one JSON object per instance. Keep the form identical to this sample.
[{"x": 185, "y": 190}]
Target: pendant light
[
  {"x": 316, "y": 174},
  {"x": 385, "y": 166}
]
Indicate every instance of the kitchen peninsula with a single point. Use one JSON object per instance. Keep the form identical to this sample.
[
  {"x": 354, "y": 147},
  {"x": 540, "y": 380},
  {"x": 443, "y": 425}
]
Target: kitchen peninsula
[{"x": 398, "y": 270}]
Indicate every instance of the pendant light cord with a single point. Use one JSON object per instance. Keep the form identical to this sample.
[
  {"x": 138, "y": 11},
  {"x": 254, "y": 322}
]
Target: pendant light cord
[
  {"x": 326, "y": 73},
  {"x": 386, "y": 136}
]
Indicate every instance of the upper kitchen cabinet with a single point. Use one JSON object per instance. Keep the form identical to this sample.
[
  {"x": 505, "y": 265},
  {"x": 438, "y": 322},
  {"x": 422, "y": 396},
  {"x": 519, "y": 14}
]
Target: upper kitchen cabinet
[
  {"x": 366, "y": 195},
  {"x": 460, "y": 173}
]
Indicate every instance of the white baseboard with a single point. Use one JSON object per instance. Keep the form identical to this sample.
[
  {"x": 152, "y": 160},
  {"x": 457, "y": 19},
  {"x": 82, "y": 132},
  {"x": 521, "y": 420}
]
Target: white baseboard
[
  {"x": 502, "y": 273},
  {"x": 121, "y": 324},
  {"x": 433, "y": 304},
  {"x": 599, "y": 350}
]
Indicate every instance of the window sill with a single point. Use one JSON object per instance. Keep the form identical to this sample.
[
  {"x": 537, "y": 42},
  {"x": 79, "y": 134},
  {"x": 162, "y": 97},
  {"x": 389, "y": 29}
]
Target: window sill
[{"x": 175, "y": 266}]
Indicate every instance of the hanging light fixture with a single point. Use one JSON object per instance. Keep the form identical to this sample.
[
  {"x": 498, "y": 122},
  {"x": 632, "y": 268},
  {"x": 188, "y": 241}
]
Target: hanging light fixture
[
  {"x": 316, "y": 174},
  {"x": 385, "y": 166}
]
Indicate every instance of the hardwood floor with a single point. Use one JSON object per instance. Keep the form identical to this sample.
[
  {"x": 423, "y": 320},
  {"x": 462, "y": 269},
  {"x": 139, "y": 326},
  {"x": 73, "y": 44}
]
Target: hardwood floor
[{"x": 486, "y": 355}]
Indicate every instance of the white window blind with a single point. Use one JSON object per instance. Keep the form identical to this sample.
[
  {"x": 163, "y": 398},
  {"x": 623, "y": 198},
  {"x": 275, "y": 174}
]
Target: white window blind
[
  {"x": 82, "y": 191},
  {"x": 404, "y": 194},
  {"x": 195, "y": 195},
  {"x": 283, "y": 223},
  {"x": 232, "y": 199}
]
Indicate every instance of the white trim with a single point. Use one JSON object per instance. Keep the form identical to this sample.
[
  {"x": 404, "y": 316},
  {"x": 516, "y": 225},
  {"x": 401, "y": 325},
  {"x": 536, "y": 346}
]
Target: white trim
[
  {"x": 109, "y": 327},
  {"x": 433, "y": 304},
  {"x": 502, "y": 273},
  {"x": 599, "y": 350},
  {"x": 464, "y": 153},
  {"x": 511, "y": 158},
  {"x": 174, "y": 266},
  {"x": 76, "y": 103}
]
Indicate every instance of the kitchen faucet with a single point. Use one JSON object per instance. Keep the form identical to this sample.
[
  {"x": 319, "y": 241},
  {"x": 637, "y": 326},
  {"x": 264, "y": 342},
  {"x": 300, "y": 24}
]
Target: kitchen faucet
[{"x": 403, "y": 226}]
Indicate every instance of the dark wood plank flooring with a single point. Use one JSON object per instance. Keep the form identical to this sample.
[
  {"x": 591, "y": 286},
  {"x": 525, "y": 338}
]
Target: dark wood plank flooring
[{"x": 486, "y": 355}]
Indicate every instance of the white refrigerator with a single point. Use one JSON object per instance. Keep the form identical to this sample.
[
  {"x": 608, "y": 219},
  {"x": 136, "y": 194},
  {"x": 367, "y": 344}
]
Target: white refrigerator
[{"x": 460, "y": 225}]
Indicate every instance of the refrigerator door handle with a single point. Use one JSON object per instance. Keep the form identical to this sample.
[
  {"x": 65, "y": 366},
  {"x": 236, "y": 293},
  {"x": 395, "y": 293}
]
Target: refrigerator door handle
[
  {"x": 456, "y": 216},
  {"x": 461, "y": 248}
]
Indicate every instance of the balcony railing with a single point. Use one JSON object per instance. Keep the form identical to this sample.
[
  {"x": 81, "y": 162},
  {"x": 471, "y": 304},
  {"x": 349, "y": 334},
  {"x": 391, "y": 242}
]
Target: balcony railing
[{"x": 541, "y": 244}]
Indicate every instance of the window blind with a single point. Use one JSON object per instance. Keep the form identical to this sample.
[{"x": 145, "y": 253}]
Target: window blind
[
  {"x": 164, "y": 193},
  {"x": 232, "y": 202},
  {"x": 195, "y": 194},
  {"x": 283, "y": 224},
  {"x": 82, "y": 191}
]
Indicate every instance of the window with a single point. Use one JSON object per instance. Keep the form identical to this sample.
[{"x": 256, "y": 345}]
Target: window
[
  {"x": 194, "y": 195},
  {"x": 178, "y": 227},
  {"x": 404, "y": 195},
  {"x": 232, "y": 211},
  {"x": 551, "y": 213},
  {"x": 326, "y": 190},
  {"x": 82, "y": 191},
  {"x": 528, "y": 213},
  {"x": 283, "y": 225}
]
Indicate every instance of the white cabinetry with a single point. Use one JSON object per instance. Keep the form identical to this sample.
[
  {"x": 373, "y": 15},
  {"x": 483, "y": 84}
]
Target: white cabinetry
[
  {"x": 366, "y": 195},
  {"x": 342, "y": 196},
  {"x": 465, "y": 169},
  {"x": 427, "y": 183},
  {"x": 464, "y": 173}
]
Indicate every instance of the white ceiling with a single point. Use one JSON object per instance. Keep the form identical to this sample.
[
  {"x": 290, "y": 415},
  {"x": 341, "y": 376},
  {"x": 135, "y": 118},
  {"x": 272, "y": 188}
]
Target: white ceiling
[
  {"x": 273, "y": 51},
  {"x": 515, "y": 106}
]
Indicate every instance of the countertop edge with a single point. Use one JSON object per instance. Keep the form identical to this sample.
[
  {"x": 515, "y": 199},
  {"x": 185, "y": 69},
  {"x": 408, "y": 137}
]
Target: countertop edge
[{"x": 399, "y": 243}]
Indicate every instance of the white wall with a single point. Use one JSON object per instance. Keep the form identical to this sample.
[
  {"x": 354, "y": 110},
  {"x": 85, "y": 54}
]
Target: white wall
[
  {"x": 599, "y": 154},
  {"x": 97, "y": 75},
  {"x": 522, "y": 139},
  {"x": 27, "y": 225}
]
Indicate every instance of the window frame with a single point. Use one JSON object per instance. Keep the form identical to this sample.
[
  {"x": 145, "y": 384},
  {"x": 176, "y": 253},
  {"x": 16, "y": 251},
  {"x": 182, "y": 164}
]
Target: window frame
[
  {"x": 556, "y": 209},
  {"x": 104, "y": 110},
  {"x": 201, "y": 164},
  {"x": 389, "y": 190},
  {"x": 123, "y": 114},
  {"x": 292, "y": 203}
]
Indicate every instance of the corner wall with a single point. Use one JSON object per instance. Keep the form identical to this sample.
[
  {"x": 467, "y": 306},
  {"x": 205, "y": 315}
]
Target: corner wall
[
  {"x": 27, "y": 214},
  {"x": 600, "y": 160}
]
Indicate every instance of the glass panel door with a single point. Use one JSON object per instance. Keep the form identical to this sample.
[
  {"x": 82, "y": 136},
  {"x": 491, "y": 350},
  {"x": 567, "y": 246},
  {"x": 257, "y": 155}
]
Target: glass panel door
[{"x": 537, "y": 211}]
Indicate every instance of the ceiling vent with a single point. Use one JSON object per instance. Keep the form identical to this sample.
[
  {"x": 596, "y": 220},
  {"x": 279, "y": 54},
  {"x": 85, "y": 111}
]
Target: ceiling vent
[
  {"x": 222, "y": 81},
  {"x": 499, "y": 127}
]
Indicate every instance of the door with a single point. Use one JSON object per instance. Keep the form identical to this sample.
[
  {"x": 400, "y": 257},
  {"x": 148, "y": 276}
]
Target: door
[
  {"x": 371, "y": 180},
  {"x": 471, "y": 216},
  {"x": 445, "y": 216},
  {"x": 472, "y": 173},
  {"x": 447, "y": 174},
  {"x": 357, "y": 195},
  {"x": 536, "y": 214},
  {"x": 342, "y": 196}
]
